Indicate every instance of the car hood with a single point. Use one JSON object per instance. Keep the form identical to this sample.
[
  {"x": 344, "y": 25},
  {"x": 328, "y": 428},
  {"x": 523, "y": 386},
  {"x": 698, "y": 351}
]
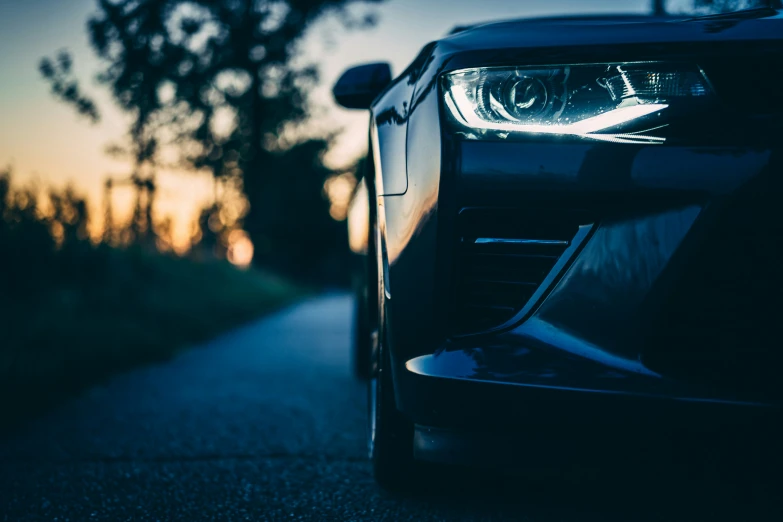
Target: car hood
[{"x": 751, "y": 25}]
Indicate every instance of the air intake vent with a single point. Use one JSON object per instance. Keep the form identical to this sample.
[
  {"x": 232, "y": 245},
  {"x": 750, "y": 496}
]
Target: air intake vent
[{"x": 503, "y": 257}]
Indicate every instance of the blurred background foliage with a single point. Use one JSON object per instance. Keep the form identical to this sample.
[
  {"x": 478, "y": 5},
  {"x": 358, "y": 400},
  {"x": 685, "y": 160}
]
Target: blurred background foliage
[
  {"x": 215, "y": 85},
  {"x": 207, "y": 85},
  {"x": 74, "y": 310}
]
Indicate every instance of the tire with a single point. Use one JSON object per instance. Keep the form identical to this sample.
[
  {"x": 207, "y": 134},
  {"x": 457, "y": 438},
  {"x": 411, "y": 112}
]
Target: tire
[
  {"x": 361, "y": 332},
  {"x": 390, "y": 434}
]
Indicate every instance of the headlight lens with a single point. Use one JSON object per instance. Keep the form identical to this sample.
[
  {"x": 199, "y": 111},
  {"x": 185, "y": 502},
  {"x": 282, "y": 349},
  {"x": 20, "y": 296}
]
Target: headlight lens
[{"x": 614, "y": 102}]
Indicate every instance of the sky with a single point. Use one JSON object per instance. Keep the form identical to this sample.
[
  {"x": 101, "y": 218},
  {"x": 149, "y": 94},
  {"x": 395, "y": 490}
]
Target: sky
[{"x": 45, "y": 141}]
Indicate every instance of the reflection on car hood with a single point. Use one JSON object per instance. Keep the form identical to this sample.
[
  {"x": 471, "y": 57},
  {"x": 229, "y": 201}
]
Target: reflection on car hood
[{"x": 756, "y": 24}]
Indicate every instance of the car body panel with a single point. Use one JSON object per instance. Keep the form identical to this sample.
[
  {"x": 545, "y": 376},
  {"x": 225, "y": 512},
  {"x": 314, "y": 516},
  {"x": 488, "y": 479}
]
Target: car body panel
[
  {"x": 389, "y": 126},
  {"x": 752, "y": 25}
]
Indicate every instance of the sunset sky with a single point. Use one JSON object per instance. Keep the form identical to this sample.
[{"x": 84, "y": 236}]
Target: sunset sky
[{"x": 42, "y": 139}]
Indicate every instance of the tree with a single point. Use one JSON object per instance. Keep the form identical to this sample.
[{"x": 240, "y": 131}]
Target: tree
[
  {"x": 213, "y": 80},
  {"x": 716, "y": 6},
  {"x": 58, "y": 72},
  {"x": 724, "y": 6}
]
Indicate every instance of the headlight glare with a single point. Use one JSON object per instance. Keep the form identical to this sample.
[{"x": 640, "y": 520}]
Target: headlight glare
[{"x": 605, "y": 102}]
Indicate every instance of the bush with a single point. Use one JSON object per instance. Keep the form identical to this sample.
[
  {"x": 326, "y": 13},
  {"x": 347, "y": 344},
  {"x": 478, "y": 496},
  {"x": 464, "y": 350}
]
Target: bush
[{"x": 73, "y": 313}]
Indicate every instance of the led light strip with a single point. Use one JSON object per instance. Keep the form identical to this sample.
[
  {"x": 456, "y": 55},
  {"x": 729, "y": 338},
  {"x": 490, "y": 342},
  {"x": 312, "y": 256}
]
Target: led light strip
[
  {"x": 510, "y": 241},
  {"x": 588, "y": 127}
]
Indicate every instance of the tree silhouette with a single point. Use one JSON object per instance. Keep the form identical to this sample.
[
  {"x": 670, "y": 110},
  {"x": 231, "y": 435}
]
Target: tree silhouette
[
  {"x": 59, "y": 73},
  {"x": 723, "y": 6},
  {"x": 213, "y": 81},
  {"x": 659, "y": 7}
]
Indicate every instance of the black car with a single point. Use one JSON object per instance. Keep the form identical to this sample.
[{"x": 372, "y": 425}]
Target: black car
[{"x": 574, "y": 239}]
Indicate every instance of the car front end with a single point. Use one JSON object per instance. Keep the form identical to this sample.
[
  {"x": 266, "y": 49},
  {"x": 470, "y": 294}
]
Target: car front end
[{"x": 584, "y": 241}]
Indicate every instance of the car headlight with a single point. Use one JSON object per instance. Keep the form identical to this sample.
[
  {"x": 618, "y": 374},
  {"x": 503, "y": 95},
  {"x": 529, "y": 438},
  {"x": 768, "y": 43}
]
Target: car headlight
[{"x": 622, "y": 103}]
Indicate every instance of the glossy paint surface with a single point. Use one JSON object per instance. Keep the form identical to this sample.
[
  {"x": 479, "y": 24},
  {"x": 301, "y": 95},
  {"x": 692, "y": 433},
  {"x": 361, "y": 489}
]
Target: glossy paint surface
[
  {"x": 390, "y": 128},
  {"x": 599, "y": 298},
  {"x": 598, "y": 31},
  {"x": 650, "y": 207}
]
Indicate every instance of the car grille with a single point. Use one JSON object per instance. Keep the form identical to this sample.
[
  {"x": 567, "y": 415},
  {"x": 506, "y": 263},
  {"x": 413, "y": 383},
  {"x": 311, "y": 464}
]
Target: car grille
[{"x": 502, "y": 258}]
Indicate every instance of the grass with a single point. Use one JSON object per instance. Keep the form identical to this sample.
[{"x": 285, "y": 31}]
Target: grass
[{"x": 138, "y": 309}]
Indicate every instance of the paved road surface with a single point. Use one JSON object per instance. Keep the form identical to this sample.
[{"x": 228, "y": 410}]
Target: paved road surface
[{"x": 265, "y": 423}]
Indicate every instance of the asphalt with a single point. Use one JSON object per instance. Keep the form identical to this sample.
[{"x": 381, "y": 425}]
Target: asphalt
[{"x": 267, "y": 423}]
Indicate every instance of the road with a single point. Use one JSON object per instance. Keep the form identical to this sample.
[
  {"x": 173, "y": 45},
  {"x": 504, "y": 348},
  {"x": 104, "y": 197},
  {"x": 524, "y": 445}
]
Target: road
[{"x": 264, "y": 423}]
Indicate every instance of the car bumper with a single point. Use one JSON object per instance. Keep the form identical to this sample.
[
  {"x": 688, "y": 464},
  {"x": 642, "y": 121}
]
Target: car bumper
[{"x": 565, "y": 411}]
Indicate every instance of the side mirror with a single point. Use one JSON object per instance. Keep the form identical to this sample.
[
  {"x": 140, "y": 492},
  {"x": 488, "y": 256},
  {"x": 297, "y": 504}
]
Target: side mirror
[{"x": 360, "y": 85}]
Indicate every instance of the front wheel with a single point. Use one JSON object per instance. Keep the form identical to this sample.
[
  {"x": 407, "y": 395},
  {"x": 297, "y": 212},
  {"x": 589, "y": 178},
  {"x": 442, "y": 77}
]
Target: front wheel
[
  {"x": 390, "y": 434},
  {"x": 362, "y": 336}
]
